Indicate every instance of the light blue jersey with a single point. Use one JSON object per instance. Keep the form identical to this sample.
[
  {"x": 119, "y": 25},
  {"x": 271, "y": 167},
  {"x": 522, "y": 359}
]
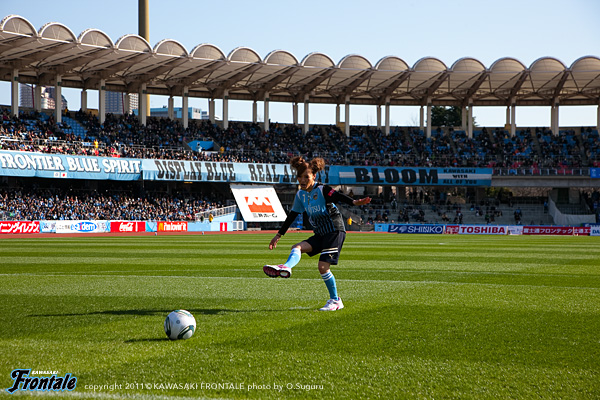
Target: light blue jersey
[{"x": 322, "y": 213}]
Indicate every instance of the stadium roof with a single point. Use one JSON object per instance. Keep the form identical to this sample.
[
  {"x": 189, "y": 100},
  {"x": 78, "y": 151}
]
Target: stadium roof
[{"x": 82, "y": 61}]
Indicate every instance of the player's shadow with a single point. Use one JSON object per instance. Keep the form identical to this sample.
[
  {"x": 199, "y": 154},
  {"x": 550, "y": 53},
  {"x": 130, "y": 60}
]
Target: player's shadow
[{"x": 195, "y": 311}]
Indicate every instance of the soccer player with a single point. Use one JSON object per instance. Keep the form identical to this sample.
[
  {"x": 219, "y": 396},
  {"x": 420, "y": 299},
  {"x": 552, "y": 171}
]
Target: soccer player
[{"x": 317, "y": 200}]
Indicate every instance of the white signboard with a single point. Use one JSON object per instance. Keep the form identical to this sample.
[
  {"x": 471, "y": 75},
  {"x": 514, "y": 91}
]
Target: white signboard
[
  {"x": 258, "y": 203},
  {"x": 82, "y": 226},
  {"x": 482, "y": 230},
  {"x": 515, "y": 229}
]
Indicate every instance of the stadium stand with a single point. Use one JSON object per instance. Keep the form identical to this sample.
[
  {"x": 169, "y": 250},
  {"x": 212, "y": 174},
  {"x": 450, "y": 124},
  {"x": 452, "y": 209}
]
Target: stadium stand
[
  {"x": 52, "y": 203},
  {"x": 281, "y": 77},
  {"x": 123, "y": 136},
  {"x": 533, "y": 151},
  {"x": 456, "y": 211}
]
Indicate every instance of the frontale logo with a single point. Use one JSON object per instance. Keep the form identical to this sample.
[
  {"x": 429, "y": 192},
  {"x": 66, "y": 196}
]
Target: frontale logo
[
  {"x": 23, "y": 382},
  {"x": 259, "y": 204}
]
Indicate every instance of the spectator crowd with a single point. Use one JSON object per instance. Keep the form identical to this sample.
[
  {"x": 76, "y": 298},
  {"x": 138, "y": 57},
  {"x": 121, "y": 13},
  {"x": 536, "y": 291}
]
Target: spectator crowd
[
  {"x": 30, "y": 204},
  {"x": 161, "y": 138}
]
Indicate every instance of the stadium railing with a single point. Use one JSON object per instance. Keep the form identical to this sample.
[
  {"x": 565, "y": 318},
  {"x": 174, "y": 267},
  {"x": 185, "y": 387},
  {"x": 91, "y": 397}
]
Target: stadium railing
[
  {"x": 566, "y": 171},
  {"x": 217, "y": 212}
]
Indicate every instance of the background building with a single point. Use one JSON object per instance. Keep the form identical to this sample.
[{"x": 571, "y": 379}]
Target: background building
[
  {"x": 193, "y": 113},
  {"x": 115, "y": 102},
  {"x": 27, "y": 97}
]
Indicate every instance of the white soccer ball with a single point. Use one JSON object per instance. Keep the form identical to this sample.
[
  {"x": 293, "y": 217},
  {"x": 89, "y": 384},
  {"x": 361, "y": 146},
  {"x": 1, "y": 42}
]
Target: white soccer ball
[{"x": 180, "y": 324}]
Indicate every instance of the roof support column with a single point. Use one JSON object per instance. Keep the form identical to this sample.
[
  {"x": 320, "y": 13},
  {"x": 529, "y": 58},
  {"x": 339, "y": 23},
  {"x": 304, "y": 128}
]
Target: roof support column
[
  {"x": 379, "y": 117},
  {"x": 421, "y": 119},
  {"x": 58, "y": 99},
  {"x": 557, "y": 117},
  {"x": 225, "y": 109},
  {"x": 337, "y": 115},
  {"x": 347, "y": 116},
  {"x": 142, "y": 106},
  {"x": 598, "y": 118},
  {"x": 211, "y": 110},
  {"x": 171, "y": 108},
  {"x": 102, "y": 101},
  {"x": 254, "y": 112},
  {"x": 428, "y": 134},
  {"x": 14, "y": 92},
  {"x": 387, "y": 115},
  {"x": 470, "y": 120},
  {"x": 37, "y": 98},
  {"x": 266, "y": 110},
  {"x": 185, "y": 115},
  {"x": 463, "y": 115},
  {"x": 306, "y": 107},
  {"x": 513, "y": 118},
  {"x": 83, "y": 100},
  {"x": 507, "y": 116},
  {"x": 127, "y": 103},
  {"x": 554, "y": 118},
  {"x": 295, "y": 113}
]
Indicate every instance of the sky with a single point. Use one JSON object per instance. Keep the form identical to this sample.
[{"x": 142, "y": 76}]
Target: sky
[{"x": 448, "y": 30}]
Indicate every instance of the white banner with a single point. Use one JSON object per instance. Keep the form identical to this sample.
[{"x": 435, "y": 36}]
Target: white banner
[
  {"x": 48, "y": 226},
  {"x": 82, "y": 226},
  {"x": 515, "y": 229},
  {"x": 595, "y": 231},
  {"x": 258, "y": 203}
]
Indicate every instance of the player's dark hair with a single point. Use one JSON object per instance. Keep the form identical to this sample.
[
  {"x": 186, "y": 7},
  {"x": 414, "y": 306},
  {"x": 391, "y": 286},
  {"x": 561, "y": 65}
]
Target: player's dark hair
[{"x": 300, "y": 165}]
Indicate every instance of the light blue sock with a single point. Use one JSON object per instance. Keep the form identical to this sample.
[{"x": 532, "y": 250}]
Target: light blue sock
[
  {"x": 294, "y": 258},
  {"x": 329, "y": 280}
]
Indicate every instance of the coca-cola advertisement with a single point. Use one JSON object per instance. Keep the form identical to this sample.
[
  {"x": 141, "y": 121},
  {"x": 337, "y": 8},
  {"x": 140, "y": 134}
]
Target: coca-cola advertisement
[
  {"x": 127, "y": 226},
  {"x": 19, "y": 226}
]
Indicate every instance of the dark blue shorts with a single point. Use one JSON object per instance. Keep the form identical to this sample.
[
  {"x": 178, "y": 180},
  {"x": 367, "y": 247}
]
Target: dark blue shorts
[{"x": 329, "y": 245}]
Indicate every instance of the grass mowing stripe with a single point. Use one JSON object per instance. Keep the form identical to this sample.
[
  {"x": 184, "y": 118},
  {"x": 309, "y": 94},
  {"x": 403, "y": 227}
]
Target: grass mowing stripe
[{"x": 387, "y": 281}]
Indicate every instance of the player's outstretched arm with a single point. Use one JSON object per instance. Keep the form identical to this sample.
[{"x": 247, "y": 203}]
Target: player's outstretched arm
[
  {"x": 274, "y": 241},
  {"x": 362, "y": 202},
  {"x": 286, "y": 225}
]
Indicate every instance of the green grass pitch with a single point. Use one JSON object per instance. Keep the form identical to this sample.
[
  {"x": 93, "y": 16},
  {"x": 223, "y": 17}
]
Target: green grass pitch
[{"x": 426, "y": 317}]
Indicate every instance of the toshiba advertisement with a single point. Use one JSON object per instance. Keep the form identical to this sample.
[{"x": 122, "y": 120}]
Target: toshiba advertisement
[{"x": 258, "y": 203}]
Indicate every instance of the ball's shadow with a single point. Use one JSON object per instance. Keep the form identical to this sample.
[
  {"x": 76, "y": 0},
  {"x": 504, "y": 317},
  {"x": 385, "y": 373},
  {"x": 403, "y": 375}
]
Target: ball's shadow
[{"x": 162, "y": 313}]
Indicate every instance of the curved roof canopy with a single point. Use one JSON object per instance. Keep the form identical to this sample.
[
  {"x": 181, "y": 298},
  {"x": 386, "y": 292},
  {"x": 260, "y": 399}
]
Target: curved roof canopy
[{"x": 165, "y": 68}]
